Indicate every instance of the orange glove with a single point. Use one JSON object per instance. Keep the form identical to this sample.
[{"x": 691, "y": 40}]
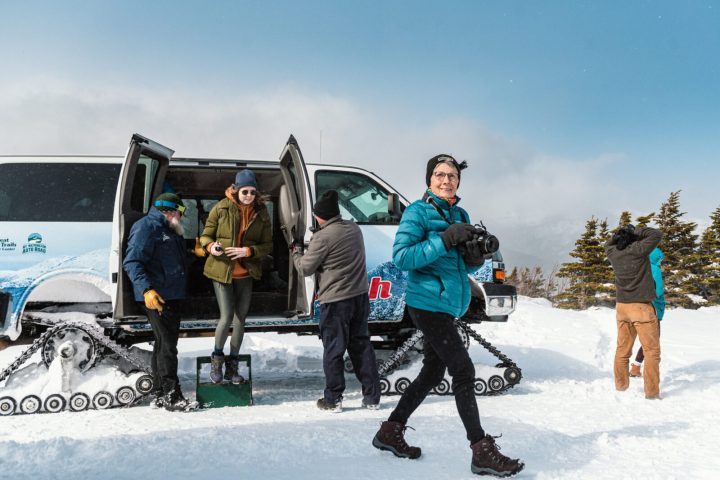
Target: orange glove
[
  {"x": 153, "y": 300},
  {"x": 199, "y": 251}
]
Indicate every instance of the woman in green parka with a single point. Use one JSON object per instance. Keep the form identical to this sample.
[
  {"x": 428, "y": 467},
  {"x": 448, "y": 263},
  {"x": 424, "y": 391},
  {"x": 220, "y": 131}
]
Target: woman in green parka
[{"x": 237, "y": 235}]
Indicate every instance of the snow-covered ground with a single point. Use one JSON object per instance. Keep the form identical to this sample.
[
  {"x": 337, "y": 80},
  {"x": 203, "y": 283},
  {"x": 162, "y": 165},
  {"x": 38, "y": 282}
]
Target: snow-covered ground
[{"x": 565, "y": 419}]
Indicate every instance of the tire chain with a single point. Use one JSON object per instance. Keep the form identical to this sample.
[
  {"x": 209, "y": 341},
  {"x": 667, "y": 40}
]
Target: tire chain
[
  {"x": 395, "y": 359},
  {"x": 92, "y": 330}
]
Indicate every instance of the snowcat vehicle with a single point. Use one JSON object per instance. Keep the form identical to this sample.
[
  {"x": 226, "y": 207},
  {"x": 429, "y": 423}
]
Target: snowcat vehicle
[{"x": 62, "y": 251}]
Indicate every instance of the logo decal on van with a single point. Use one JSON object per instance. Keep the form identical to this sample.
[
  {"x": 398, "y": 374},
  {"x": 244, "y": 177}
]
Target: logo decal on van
[
  {"x": 34, "y": 244},
  {"x": 6, "y": 245},
  {"x": 379, "y": 288}
]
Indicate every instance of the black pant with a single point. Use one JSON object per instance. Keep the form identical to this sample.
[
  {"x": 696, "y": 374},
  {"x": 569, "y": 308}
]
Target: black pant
[
  {"x": 344, "y": 326},
  {"x": 443, "y": 348},
  {"x": 166, "y": 328}
]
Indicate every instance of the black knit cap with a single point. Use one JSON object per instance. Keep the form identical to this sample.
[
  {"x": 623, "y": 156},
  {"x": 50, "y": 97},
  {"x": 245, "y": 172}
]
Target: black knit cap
[
  {"x": 443, "y": 158},
  {"x": 327, "y": 205}
]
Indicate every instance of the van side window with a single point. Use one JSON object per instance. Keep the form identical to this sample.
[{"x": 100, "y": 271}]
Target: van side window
[
  {"x": 360, "y": 197},
  {"x": 58, "y": 192}
]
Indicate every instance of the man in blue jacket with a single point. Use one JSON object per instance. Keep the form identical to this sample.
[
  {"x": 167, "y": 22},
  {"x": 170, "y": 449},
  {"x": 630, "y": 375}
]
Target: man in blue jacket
[
  {"x": 431, "y": 245},
  {"x": 155, "y": 262}
]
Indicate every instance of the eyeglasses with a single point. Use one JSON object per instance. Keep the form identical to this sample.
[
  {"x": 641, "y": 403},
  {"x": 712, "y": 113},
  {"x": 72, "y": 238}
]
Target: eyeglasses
[
  {"x": 248, "y": 192},
  {"x": 452, "y": 177}
]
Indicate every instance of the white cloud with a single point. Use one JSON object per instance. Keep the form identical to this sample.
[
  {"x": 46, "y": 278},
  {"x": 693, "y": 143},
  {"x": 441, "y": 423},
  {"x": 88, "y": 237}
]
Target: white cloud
[{"x": 537, "y": 203}]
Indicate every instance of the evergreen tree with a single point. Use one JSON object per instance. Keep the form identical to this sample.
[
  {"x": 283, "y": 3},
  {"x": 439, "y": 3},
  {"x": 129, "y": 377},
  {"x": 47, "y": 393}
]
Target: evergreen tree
[
  {"x": 709, "y": 253},
  {"x": 587, "y": 276},
  {"x": 513, "y": 278},
  {"x": 625, "y": 218},
  {"x": 681, "y": 267},
  {"x": 644, "y": 220}
]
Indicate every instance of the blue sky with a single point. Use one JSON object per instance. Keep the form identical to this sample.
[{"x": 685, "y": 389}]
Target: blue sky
[{"x": 577, "y": 107}]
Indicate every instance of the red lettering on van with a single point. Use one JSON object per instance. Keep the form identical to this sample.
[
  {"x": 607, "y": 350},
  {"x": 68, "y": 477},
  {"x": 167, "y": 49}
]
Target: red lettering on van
[{"x": 379, "y": 288}]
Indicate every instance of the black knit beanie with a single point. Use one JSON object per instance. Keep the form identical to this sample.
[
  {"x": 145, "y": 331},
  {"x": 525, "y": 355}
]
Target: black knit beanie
[
  {"x": 443, "y": 158},
  {"x": 327, "y": 205}
]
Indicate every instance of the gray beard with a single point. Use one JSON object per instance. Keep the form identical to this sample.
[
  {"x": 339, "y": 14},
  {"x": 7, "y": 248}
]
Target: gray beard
[{"x": 176, "y": 227}]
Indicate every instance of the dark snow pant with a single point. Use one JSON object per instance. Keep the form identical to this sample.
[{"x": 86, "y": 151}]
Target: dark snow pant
[
  {"x": 165, "y": 327},
  {"x": 344, "y": 326},
  {"x": 640, "y": 357},
  {"x": 443, "y": 348}
]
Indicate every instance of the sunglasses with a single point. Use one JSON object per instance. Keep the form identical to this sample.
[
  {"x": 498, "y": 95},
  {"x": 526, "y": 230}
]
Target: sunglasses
[{"x": 248, "y": 192}]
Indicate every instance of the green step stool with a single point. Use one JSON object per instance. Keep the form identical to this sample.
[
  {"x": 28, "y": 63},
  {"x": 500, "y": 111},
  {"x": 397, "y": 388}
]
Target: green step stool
[{"x": 215, "y": 395}]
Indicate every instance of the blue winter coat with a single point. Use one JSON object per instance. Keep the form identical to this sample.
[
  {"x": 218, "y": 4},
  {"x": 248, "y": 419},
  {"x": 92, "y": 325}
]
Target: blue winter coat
[
  {"x": 437, "y": 278},
  {"x": 656, "y": 257},
  {"x": 156, "y": 258}
]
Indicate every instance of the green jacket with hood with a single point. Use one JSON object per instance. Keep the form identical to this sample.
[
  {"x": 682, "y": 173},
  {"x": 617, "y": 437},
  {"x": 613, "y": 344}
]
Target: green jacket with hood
[{"x": 222, "y": 226}]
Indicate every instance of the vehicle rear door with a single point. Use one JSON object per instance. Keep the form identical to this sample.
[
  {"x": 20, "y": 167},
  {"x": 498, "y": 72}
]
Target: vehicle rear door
[
  {"x": 141, "y": 180},
  {"x": 295, "y": 217}
]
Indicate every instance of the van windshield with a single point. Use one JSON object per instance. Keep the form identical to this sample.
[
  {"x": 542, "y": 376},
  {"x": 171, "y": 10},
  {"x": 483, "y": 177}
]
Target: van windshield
[{"x": 58, "y": 192}]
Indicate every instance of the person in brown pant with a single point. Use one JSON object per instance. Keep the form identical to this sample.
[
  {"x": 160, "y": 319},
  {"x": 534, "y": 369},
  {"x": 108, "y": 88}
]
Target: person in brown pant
[{"x": 628, "y": 251}]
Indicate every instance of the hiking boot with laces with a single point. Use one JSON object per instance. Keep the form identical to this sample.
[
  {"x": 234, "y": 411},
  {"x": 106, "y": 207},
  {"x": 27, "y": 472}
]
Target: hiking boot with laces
[
  {"x": 216, "y": 367},
  {"x": 176, "y": 402},
  {"x": 635, "y": 370},
  {"x": 391, "y": 437},
  {"x": 323, "y": 404},
  {"x": 231, "y": 370},
  {"x": 487, "y": 459}
]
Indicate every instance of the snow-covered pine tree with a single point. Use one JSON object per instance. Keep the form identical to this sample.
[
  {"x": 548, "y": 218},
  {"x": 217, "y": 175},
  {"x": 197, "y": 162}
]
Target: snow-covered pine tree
[
  {"x": 681, "y": 267},
  {"x": 605, "y": 274},
  {"x": 644, "y": 220},
  {"x": 585, "y": 276},
  {"x": 625, "y": 218},
  {"x": 709, "y": 252}
]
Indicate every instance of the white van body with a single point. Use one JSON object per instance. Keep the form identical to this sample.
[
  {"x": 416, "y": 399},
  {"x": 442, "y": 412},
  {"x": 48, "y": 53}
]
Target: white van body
[{"x": 77, "y": 250}]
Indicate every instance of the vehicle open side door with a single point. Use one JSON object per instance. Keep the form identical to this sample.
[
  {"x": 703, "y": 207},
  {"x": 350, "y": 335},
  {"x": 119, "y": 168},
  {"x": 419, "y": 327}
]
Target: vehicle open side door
[
  {"x": 295, "y": 217},
  {"x": 141, "y": 180}
]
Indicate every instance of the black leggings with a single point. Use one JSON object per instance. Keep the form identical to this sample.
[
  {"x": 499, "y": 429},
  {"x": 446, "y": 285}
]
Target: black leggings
[{"x": 443, "y": 348}]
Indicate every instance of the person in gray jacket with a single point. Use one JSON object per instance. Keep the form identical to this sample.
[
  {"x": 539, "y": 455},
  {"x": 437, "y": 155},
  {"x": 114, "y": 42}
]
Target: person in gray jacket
[
  {"x": 336, "y": 254},
  {"x": 628, "y": 251}
]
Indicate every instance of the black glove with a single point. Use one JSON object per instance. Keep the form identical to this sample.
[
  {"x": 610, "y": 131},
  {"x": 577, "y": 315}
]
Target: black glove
[
  {"x": 457, "y": 234},
  {"x": 473, "y": 254},
  {"x": 297, "y": 247}
]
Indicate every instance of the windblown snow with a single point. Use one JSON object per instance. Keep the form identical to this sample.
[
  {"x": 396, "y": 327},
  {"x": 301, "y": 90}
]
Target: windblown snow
[{"x": 564, "y": 419}]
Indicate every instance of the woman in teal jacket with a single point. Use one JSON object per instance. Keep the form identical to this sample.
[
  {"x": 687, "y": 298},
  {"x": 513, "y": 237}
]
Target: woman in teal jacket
[
  {"x": 431, "y": 245},
  {"x": 656, "y": 258}
]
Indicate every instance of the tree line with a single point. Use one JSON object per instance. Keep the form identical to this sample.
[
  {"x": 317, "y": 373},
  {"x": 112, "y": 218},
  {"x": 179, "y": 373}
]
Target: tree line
[{"x": 691, "y": 269}]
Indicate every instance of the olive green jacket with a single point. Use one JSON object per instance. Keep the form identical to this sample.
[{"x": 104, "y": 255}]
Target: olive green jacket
[{"x": 222, "y": 225}]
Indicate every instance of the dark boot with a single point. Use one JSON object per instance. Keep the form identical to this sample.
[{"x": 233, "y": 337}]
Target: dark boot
[
  {"x": 487, "y": 459},
  {"x": 216, "y": 367},
  {"x": 176, "y": 402},
  {"x": 391, "y": 437},
  {"x": 231, "y": 370}
]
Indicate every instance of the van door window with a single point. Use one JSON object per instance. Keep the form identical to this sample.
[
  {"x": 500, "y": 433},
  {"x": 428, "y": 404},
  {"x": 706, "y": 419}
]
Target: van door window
[
  {"x": 360, "y": 197},
  {"x": 58, "y": 192},
  {"x": 143, "y": 182}
]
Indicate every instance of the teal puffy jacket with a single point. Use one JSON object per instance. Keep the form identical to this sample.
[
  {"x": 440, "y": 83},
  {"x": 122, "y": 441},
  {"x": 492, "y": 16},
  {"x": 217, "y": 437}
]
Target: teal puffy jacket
[
  {"x": 437, "y": 278},
  {"x": 656, "y": 257}
]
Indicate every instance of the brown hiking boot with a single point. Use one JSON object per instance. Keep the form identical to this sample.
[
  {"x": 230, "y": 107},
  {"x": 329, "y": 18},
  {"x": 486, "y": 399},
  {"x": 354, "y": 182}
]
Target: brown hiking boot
[
  {"x": 487, "y": 459},
  {"x": 635, "y": 370},
  {"x": 390, "y": 437}
]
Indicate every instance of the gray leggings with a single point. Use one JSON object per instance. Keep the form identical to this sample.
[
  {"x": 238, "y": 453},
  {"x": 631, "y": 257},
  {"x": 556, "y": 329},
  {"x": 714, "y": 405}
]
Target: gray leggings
[{"x": 234, "y": 301}]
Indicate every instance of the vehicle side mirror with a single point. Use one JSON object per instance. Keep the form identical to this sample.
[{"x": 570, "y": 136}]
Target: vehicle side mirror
[{"x": 394, "y": 206}]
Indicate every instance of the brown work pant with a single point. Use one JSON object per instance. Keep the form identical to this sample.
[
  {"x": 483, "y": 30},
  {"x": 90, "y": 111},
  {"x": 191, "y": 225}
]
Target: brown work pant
[{"x": 637, "y": 319}]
